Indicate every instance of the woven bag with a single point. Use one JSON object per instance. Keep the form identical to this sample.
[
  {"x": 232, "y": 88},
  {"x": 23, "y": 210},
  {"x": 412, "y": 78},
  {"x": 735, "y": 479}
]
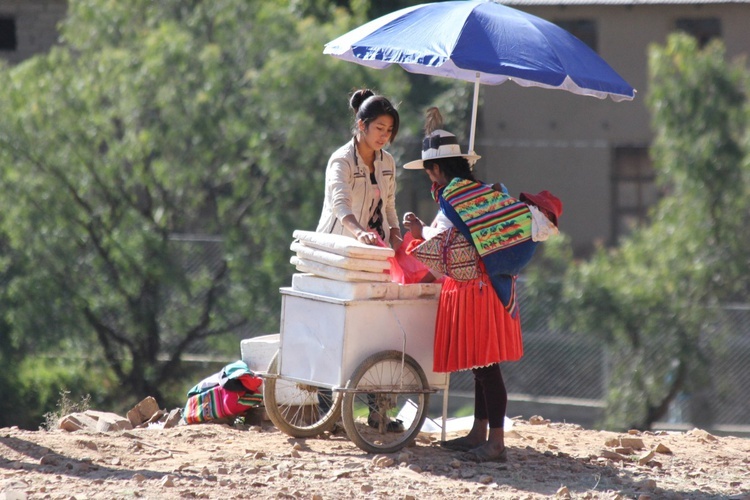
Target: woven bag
[{"x": 450, "y": 253}]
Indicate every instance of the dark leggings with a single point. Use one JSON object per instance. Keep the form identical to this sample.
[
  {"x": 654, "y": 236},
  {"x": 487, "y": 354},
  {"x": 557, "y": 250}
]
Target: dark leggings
[{"x": 490, "y": 395}]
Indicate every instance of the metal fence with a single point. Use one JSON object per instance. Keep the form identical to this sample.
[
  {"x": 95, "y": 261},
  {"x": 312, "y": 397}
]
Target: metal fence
[
  {"x": 562, "y": 364},
  {"x": 574, "y": 365}
]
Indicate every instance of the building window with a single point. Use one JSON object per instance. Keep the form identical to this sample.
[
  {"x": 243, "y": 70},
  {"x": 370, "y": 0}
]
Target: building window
[
  {"x": 7, "y": 34},
  {"x": 583, "y": 29},
  {"x": 702, "y": 29},
  {"x": 633, "y": 189}
]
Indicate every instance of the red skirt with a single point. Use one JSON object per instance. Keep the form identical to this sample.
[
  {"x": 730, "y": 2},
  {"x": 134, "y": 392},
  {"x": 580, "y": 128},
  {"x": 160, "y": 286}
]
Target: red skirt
[{"x": 473, "y": 329}]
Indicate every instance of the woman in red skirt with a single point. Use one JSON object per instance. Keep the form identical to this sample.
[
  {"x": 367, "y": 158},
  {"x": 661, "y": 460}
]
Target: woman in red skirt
[{"x": 478, "y": 325}]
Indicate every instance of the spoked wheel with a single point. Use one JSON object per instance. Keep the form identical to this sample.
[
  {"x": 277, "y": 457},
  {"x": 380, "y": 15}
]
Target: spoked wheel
[
  {"x": 384, "y": 385},
  {"x": 300, "y": 410}
]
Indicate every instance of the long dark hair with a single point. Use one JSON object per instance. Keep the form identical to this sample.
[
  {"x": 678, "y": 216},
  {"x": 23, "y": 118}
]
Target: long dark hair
[
  {"x": 368, "y": 106},
  {"x": 452, "y": 167}
]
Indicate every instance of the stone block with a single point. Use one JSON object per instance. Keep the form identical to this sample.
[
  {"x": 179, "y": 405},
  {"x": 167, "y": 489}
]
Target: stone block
[
  {"x": 173, "y": 419},
  {"x": 143, "y": 411},
  {"x": 109, "y": 422},
  {"x": 77, "y": 422}
]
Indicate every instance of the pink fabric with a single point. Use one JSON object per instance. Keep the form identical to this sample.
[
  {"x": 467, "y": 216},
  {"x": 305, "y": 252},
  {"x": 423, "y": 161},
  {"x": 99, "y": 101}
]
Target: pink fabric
[
  {"x": 406, "y": 269},
  {"x": 217, "y": 403}
]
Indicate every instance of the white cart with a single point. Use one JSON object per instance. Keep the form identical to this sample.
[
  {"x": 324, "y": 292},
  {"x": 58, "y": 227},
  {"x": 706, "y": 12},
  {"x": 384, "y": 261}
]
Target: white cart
[{"x": 361, "y": 352}]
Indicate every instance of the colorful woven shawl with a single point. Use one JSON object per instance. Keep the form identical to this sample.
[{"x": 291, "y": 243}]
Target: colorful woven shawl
[{"x": 495, "y": 220}]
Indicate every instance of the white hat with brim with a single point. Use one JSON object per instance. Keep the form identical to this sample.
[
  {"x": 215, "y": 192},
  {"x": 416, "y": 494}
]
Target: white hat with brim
[{"x": 440, "y": 144}]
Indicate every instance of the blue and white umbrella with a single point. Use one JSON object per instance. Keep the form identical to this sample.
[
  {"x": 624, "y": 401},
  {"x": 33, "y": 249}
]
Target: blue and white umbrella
[{"x": 481, "y": 42}]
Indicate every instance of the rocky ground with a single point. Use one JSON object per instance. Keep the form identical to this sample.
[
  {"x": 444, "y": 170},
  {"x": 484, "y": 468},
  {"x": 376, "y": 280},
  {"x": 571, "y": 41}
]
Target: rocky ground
[{"x": 546, "y": 460}]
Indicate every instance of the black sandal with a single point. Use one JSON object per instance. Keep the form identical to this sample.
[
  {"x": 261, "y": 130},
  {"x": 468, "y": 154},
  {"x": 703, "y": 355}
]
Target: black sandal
[
  {"x": 481, "y": 455},
  {"x": 458, "y": 444}
]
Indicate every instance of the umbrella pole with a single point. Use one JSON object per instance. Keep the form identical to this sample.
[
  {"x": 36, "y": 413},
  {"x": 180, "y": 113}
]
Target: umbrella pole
[{"x": 474, "y": 115}]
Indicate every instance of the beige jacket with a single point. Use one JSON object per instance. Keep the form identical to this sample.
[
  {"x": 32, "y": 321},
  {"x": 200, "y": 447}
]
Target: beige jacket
[{"x": 348, "y": 190}]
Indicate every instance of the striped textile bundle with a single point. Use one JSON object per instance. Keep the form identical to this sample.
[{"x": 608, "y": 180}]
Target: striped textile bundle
[
  {"x": 495, "y": 220},
  {"x": 217, "y": 403}
]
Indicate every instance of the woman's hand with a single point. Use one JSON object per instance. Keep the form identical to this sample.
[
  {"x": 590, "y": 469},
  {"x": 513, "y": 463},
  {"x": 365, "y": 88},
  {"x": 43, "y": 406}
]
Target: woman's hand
[
  {"x": 413, "y": 224},
  {"x": 362, "y": 234},
  {"x": 367, "y": 237}
]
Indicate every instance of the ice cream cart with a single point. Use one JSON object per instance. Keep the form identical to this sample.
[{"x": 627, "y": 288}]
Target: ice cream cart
[{"x": 356, "y": 351}]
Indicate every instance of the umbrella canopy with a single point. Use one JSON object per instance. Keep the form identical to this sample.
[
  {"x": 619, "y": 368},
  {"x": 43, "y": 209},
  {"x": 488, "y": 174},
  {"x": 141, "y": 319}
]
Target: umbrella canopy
[{"x": 481, "y": 42}]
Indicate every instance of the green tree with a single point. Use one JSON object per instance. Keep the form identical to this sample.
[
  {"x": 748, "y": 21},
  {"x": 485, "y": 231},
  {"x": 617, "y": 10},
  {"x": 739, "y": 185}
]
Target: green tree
[
  {"x": 651, "y": 298},
  {"x": 153, "y": 169}
]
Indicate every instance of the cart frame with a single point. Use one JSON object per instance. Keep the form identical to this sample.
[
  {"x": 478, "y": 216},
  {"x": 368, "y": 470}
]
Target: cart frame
[{"x": 358, "y": 359}]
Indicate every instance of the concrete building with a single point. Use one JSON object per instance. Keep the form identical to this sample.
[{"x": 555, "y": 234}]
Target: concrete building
[
  {"x": 28, "y": 27},
  {"x": 594, "y": 153}
]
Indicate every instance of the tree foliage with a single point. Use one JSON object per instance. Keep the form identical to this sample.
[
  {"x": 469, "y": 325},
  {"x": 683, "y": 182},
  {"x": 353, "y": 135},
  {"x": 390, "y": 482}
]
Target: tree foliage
[
  {"x": 652, "y": 298},
  {"x": 154, "y": 166}
]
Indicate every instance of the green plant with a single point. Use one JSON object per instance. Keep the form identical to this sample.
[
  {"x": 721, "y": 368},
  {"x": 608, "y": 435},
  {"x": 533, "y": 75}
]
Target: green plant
[
  {"x": 653, "y": 299},
  {"x": 65, "y": 406}
]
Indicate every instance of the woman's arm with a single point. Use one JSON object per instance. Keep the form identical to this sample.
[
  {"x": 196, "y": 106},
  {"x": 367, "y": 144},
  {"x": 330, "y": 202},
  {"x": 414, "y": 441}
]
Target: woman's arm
[
  {"x": 395, "y": 238},
  {"x": 362, "y": 234},
  {"x": 389, "y": 204},
  {"x": 339, "y": 186},
  {"x": 420, "y": 231}
]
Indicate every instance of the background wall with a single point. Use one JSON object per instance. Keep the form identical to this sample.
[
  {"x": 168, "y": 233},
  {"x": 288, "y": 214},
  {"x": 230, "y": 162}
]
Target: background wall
[{"x": 35, "y": 24}]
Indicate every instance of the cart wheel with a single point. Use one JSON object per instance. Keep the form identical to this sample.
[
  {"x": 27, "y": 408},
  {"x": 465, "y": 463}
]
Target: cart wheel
[
  {"x": 382, "y": 389},
  {"x": 297, "y": 409}
]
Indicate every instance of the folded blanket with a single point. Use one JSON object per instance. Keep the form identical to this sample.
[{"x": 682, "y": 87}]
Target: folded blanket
[
  {"x": 332, "y": 259},
  {"x": 337, "y": 273},
  {"x": 342, "y": 245}
]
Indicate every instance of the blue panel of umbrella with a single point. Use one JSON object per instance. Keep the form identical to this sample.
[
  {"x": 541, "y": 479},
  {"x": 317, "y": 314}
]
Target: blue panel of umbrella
[{"x": 481, "y": 42}]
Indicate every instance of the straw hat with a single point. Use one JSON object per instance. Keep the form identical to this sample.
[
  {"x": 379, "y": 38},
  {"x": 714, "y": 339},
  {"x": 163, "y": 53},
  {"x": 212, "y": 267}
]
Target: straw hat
[{"x": 439, "y": 143}]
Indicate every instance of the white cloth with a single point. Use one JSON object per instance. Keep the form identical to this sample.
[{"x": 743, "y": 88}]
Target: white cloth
[
  {"x": 337, "y": 273},
  {"x": 541, "y": 227},
  {"x": 348, "y": 190},
  {"x": 438, "y": 225},
  {"x": 335, "y": 260},
  {"x": 342, "y": 245}
]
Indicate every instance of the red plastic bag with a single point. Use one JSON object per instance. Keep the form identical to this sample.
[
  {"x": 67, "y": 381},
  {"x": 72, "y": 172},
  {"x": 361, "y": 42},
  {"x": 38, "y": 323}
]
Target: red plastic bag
[
  {"x": 409, "y": 269},
  {"x": 405, "y": 269}
]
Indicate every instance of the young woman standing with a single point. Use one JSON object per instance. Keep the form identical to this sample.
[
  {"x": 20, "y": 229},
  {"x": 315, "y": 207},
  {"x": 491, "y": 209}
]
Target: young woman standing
[{"x": 360, "y": 187}]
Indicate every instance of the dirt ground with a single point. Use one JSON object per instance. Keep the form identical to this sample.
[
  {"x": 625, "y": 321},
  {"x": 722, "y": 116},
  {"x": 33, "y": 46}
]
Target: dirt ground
[{"x": 546, "y": 460}]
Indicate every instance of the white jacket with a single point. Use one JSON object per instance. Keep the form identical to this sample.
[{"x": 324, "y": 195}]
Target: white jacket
[{"x": 348, "y": 190}]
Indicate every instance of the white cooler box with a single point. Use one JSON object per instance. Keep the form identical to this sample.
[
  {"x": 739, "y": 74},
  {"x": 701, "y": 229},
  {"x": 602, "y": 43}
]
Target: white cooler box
[
  {"x": 329, "y": 327},
  {"x": 257, "y": 353}
]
